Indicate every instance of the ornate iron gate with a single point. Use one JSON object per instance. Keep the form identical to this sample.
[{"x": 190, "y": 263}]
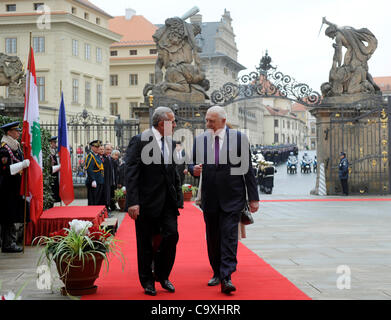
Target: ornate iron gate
[
  {"x": 86, "y": 127},
  {"x": 362, "y": 131}
]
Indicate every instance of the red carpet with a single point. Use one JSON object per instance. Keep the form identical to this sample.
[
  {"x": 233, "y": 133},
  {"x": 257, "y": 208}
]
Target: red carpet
[
  {"x": 327, "y": 200},
  {"x": 254, "y": 279}
]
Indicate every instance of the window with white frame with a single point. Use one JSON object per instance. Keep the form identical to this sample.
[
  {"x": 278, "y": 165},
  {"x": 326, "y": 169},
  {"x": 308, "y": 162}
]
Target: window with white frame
[
  {"x": 114, "y": 108},
  {"x": 87, "y": 51},
  {"x": 75, "y": 47},
  {"x": 39, "y": 44},
  {"x": 113, "y": 80},
  {"x": 10, "y": 45},
  {"x": 11, "y": 7},
  {"x": 37, "y": 6},
  {"x": 88, "y": 93},
  {"x": 75, "y": 90},
  {"x": 99, "y": 95},
  {"x": 41, "y": 88},
  {"x": 99, "y": 55},
  {"x": 133, "y": 79}
]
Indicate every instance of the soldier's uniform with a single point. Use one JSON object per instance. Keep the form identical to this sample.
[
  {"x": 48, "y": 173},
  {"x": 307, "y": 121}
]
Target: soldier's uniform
[
  {"x": 55, "y": 175},
  {"x": 343, "y": 173},
  {"x": 95, "y": 177},
  {"x": 12, "y": 203}
]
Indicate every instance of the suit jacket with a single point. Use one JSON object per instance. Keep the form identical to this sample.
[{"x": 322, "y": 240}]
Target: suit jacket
[
  {"x": 224, "y": 185},
  {"x": 95, "y": 169},
  {"x": 149, "y": 182}
]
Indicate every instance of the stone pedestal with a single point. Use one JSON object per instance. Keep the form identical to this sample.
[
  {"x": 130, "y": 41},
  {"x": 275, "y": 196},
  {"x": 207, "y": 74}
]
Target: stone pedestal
[{"x": 13, "y": 108}]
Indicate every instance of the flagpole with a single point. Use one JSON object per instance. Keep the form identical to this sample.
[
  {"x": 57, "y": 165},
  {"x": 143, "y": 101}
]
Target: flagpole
[
  {"x": 59, "y": 124},
  {"x": 25, "y": 170}
]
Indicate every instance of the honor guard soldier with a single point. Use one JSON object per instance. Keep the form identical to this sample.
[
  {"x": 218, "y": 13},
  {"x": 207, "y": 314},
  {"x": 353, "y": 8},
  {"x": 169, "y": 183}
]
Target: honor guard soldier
[
  {"x": 95, "y": 175},
  {"x": 12, "y": 203},
  {"x": 55, "y": 169}
]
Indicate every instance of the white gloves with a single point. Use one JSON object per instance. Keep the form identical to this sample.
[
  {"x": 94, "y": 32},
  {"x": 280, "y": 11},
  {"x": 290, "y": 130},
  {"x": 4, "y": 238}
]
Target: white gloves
[
  {"x": 56, "y": 168},
  {"x": 93, "y": 184},
  {"x": 123, "y": 188},
  {"x": 17, "y": 167},
  {"x": 26, "y": 163}
]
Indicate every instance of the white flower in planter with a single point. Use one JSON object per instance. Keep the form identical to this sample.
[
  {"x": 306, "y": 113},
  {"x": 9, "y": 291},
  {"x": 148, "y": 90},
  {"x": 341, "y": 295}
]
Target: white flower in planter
[
  {"x": 79, "y": 226},
  {"x": 10, "y": 296}
]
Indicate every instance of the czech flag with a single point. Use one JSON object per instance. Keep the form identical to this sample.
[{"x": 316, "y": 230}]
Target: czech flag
[{"x": 66, "y": 182}]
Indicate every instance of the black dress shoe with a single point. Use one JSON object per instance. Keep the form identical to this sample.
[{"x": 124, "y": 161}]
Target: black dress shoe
[
  {"x": 13, "y": 248},
  {"x": 227, "y": 287},
  {"x": 214, "y": 281},
  {"x": 150, "y": 290},
  {"x": 166, "y": 284}
]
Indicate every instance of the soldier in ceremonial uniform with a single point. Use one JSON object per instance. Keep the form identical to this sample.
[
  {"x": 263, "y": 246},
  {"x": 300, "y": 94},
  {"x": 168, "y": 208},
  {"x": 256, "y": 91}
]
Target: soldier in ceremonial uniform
[
  {"x": 95, "y": 175},
  {"x": 12, "y": 203},
  {"x": 55, "y": 169}
]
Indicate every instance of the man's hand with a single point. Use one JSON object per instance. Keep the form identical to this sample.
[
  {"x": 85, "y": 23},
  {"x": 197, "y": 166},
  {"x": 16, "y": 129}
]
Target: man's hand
[
  {"x": 197, "y": 170},
  {"x": 185, "y": 172},
  {"x": 93, "y": 184},
  {"x": 254, "y": 206},
  {"x": 134, "y": 211}
]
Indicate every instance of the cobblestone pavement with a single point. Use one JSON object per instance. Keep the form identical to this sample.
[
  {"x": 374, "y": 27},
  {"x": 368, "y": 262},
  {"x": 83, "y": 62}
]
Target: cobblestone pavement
[
  {"x": 308, "y": 242},
  {"x": 317, "y": 245}
]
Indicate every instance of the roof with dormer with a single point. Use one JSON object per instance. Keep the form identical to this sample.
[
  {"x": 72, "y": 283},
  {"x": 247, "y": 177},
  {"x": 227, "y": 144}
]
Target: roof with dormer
[{"x": 135, "y": 31}]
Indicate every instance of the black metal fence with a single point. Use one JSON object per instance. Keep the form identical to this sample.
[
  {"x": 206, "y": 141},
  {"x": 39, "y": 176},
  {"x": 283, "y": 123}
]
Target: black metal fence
[
  {"x": 81, "y": 134},
  {"x": 363, "y": 133}
]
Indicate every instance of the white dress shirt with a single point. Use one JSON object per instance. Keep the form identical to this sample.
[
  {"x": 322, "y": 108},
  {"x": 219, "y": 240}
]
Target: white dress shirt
[
  {"x": 158, "y": 138},
  {"x": 221, "y": 134}
]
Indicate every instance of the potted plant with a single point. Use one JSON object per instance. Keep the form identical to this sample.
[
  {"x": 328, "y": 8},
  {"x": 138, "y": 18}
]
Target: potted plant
[
  {"x": 189, "y": 191},
  {"x": 120, "y": 197},
  {"x": 78, "y": 252}
]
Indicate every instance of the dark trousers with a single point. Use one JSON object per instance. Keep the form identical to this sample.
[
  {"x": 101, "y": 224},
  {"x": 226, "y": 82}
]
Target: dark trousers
[
  {"x": 8, "y": 234},
  {"x": 163, "y": 256},
  {"x": 344, "y": 184},
  {"x": 112, "y": 202},
  {"x": 222, "y": 241},
  {"x": 96, "y": 196}
]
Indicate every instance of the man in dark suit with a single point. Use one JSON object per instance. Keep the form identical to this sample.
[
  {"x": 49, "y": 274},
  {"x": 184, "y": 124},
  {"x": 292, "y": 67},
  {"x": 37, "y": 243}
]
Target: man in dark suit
[
  {"x": 55, "y": 169},
  {"x": 223, "y": 157},
  {"x": 110, "y": 178},
  {"x": 153, "y": 196}
]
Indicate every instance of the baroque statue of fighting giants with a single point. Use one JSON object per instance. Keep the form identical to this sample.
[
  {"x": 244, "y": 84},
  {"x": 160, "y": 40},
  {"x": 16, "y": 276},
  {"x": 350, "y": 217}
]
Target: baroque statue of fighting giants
[
  {"x": 349, "y": 73},
  {"x": 178, "y": 57}
]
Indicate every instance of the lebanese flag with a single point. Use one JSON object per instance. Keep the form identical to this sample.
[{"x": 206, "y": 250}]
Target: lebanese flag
[
  {"x": 66, "y": 182},
  {"x": 32, "y": 147}
]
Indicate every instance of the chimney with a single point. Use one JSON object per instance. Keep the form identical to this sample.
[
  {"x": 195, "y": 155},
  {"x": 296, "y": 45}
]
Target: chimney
[
  {"x": 197, "y": 18},
  {"x": 129, "y": 13}
]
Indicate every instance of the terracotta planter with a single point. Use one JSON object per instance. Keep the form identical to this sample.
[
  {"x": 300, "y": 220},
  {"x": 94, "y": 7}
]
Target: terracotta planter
[
  {"x": 121, "y": 204},
  {"x": 187, "y": 195},
  {"x": 80, "y": 279}
]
